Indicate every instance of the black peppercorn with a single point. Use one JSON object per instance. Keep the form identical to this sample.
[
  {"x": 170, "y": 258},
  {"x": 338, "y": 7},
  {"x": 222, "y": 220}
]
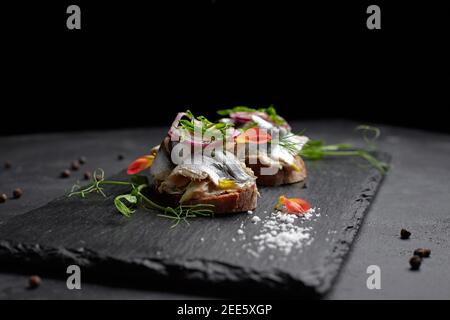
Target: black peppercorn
[
  {"x": 404, "y": 234},
  {"x": 82, "y": 160},
  {"x": 65, "y": 174},
  {"x": 120, "y": 157},
  {"x": 7, "y": 165},
  {"x": 34, "y": 282},
  {"x": 17, "y": 193},
  {"x": 75, "y": 165},
  {"x": 415, "y": 262},
  {"x": 3, "y": 198},
  {"x": 423, "y": 253},
  {"x": 87, "y": 175}
]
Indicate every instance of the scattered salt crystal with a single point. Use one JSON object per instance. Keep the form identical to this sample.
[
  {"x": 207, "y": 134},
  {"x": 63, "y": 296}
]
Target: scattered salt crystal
[
  {"x": 250, "y": 212},
  {"x": 256, "y": 219},
  {"x": 254, "y": 253},
  {"x": 202, "y": 239},
  {"x": 240, "y": 231}
]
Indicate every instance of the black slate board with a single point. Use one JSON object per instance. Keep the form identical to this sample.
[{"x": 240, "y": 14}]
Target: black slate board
[{"x": 207, "y": 254}]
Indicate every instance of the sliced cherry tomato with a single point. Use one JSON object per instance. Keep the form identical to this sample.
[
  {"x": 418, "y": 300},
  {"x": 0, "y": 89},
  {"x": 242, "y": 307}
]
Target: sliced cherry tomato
[
  {"x": 293, "y": 205},
  {"x": 254, "y": 135},
  {"x": 302, "y": 203},
  {"x": 140, "y": 164}
]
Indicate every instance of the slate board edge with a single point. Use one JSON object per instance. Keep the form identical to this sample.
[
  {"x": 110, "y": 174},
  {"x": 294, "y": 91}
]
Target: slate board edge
[
  {"x": 334, "y": 261},
  {"x": 313, "y": 284},
  {"x": 200, "y": 272}
]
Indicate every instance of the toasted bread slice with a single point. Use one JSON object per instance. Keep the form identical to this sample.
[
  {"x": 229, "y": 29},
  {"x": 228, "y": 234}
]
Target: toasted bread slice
[
  {"x": 244, "y": 199},
  {"x": 234, "y": 201},
  {"x": 286, "y": 175}
]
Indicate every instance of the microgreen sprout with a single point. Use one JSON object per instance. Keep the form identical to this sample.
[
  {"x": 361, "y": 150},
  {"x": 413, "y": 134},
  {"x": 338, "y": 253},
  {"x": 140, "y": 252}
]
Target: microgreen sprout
[
  {"x": 317, "y": 149},
  {"x": 129, "y": 202},
  {"x": 370, "y": 135},
  {"x": 202, "y": 124}
]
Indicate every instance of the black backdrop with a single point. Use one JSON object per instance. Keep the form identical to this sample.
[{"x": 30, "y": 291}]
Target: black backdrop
[{"x": 137, "y": 63}]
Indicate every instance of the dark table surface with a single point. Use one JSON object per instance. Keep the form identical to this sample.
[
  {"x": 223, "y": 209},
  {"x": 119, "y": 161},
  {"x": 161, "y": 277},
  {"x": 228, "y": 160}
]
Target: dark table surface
[{"x": 414, "y": 195}]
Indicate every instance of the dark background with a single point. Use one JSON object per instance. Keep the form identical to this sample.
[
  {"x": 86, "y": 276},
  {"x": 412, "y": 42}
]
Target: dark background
[{"x": 137, "y": 63}]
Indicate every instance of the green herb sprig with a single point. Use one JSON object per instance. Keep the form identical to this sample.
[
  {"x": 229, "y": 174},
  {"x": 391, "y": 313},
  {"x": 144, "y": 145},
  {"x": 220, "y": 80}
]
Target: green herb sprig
[
  {"x": 192, "y": 124},
  {"x": 129, "y": 202},
  {"x": 270, "y": 111},
  {"x": 317, "y": 149}
]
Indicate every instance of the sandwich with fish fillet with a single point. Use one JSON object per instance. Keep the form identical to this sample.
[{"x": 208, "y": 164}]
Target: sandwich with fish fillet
[
  {"x": 265, "y": 127},
  {"x": 195, "y": 164}
]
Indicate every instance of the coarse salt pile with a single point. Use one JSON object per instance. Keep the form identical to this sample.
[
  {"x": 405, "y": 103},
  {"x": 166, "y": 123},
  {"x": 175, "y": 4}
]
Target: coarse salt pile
[{"x": 280, "y": 232}]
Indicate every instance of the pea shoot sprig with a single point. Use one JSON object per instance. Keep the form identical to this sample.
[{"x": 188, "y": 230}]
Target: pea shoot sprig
[
  {"x": 129, "y": 202},
  {"x": 317, "y": 149},
  {"x": 202, "y": 123}
]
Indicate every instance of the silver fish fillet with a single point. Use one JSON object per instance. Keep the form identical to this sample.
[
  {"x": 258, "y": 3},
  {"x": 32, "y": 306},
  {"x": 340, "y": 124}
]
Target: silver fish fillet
[
  {"x": 162, "y": 165},
  {"x": 221, "y": 166}
]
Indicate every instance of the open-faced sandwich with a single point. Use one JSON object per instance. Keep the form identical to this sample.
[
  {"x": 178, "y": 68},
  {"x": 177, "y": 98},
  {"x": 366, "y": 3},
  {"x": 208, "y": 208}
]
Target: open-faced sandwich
[
  {"x": 194, "y": 166},
  {"x": 279, "y": 161},
  {"x": 203, "y": 167}
]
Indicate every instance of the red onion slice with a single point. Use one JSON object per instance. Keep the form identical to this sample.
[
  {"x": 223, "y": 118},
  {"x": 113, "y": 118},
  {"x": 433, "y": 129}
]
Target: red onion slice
[{"x": 243, "y": 117}]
